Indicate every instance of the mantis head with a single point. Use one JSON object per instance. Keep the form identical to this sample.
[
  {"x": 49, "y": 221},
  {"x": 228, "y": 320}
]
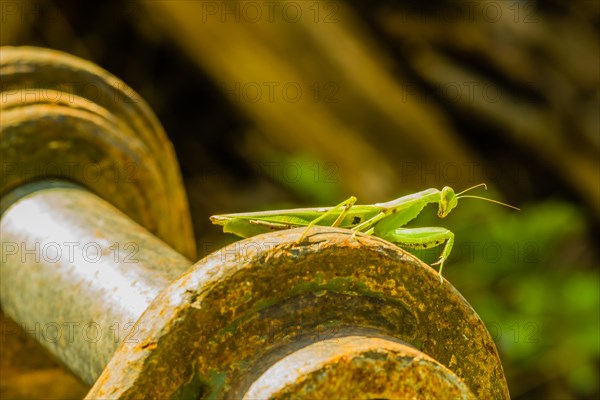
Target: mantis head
[{"x": 449, "y": 200}]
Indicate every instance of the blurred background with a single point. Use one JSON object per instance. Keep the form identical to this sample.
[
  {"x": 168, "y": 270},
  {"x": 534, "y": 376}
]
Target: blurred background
[{"x": 280, "y": 104}]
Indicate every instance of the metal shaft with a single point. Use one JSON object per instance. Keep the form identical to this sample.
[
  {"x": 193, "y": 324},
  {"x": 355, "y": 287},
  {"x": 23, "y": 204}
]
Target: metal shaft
[{"x": 77, "y": 273}]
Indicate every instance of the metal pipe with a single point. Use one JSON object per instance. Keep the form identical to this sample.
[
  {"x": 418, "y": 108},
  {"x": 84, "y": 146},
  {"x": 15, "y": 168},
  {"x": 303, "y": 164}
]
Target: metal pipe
[{"x": 77, "y": 273}]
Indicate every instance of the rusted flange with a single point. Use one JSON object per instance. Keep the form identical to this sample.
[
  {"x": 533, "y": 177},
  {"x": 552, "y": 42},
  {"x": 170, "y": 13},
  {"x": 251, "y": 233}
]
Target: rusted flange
[
  {"x": 236, "y": 313},
  {"x": 66, "y": 118}
]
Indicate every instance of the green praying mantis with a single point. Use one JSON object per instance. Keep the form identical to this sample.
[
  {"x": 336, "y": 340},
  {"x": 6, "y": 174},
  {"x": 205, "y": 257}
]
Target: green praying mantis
[{"x": 384, "y": 220}]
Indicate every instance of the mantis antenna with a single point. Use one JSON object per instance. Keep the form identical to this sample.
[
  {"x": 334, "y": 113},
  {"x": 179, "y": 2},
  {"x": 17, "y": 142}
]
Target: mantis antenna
[
  {"x": 473, "y": 187},
  {"x": 458, "y": 196}
]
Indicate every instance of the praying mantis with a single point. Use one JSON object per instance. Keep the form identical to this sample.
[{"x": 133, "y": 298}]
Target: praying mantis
[{"x": 384, "y": 220}]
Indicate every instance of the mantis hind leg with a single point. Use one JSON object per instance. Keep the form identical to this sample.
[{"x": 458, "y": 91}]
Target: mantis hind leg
[
  {"x": 423, "y": 238},
  {"x": 346, "y": 204}
]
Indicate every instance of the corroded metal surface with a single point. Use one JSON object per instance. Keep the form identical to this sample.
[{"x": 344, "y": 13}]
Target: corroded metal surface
[
  {"x": 63, "y": 117},
  {"x": 358, "y": 367},
  {"x": 235, "y": 313},
  {"x": 77, "y": 274}
]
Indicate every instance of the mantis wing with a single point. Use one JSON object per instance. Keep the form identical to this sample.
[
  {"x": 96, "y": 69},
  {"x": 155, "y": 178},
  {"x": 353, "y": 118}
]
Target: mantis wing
[{"x": 254, "y": 223}]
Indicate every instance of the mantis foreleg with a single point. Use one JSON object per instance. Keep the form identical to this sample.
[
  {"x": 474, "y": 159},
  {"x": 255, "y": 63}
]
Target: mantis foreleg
[{"x": 423, "y": 238}]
